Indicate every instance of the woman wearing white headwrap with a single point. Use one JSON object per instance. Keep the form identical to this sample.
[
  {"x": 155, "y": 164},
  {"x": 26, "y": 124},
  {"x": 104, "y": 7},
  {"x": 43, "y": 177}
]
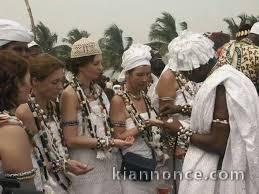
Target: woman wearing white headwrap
[
  {"x": 223, "y": 135},
  {"x": 13, "y": 36},
  {"x": 129, "y": 109}
]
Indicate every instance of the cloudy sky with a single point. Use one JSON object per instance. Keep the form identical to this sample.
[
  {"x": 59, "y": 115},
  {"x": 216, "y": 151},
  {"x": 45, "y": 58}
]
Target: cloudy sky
[{"x": 134, "y": 17}]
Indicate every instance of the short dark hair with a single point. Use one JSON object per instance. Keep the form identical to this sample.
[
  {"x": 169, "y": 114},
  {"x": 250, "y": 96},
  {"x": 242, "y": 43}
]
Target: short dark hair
[
  {"x": 75, "y": 63},
  {"x": 13, "y": 69}
]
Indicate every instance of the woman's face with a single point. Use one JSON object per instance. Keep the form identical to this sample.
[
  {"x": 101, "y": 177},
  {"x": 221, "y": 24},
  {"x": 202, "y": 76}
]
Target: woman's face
[
  {"x": 139, "y": 77},
  {"x": 24, "y": 89},
  {"x": 94, "y": 69},
  {"x": 51, "y": 86}
]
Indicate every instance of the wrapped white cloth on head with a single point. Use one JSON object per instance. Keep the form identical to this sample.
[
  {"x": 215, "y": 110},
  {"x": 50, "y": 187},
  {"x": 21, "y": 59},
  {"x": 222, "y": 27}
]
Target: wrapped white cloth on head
[
  {"x": 255, "y": 28},
  {"x": 242, "y": 150},
  {"x": 189, "y": 51},
  {"x": 13, "y": 31},
  {"x": 137, "y": 55}
]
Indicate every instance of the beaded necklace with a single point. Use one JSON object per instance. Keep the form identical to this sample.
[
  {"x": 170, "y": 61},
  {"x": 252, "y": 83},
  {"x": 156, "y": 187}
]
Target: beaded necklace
[
  {"x": 182, "y": 83},
  {"x": 48, "y": 141},
  {"x": 86, "y": 109},
  {"x": 147, "y": 134}
]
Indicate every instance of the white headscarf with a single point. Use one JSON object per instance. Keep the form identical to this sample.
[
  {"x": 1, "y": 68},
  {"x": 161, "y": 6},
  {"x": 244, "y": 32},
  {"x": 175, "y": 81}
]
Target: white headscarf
[
  {"x": 137, "y": 55},
  {"x": 13, "y": 31},
  {"x": 189, "y": 51},
  {"x": 255, "y": 28}
]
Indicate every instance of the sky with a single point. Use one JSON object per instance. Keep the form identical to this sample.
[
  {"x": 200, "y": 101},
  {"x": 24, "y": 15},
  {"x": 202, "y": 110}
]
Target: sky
[{"x": 134, "y": 17}]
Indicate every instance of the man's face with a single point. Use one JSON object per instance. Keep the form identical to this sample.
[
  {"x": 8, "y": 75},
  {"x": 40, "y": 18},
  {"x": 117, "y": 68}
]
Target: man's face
[
  {"x": 20, "y": 48},
  {"x": 197, "y": 75}
]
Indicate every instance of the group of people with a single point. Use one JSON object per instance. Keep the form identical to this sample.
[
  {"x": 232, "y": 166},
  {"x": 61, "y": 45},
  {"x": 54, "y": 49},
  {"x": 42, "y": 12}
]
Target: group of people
[{"x": 198, "y": 113}]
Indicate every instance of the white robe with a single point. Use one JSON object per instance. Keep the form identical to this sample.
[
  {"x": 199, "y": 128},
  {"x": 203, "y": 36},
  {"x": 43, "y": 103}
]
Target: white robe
[{"x": 242, "y": 149}]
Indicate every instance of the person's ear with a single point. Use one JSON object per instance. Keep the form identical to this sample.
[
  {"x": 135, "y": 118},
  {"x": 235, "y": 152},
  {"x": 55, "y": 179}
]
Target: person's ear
[{"x": 34, "y": 81}]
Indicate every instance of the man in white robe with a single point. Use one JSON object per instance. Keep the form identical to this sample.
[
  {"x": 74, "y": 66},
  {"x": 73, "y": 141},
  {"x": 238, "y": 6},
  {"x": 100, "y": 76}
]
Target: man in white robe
[{"x": 224, "y": 132}]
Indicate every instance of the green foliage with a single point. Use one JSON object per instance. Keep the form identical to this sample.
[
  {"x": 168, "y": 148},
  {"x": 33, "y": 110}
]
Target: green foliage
[
  {"x": 113, "y": 44},
  {"x": 75, "y": 35},
  {"x": 233, "y": 26}
]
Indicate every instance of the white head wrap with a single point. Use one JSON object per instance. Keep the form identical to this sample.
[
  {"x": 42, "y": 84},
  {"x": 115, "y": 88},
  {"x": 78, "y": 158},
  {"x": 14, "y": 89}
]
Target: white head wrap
[
  {"x": 13, "y": 31},
  {"x": 137, "y": 55},
  {"x": 189, "y": 51},
  {"x": 255, "y": 28}
]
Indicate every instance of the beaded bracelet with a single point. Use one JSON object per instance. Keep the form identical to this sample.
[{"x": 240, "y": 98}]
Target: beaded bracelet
[
  {"x": 220, "y": 121},
  {"x": 186, "y": 109},
  {"x": 118, "y": 123},
  {"x": 184, "y": 136},
  {"x": 101, "y": 143},
  {"x": 23, "y": 175},
  {"x": 167, "y": 98},
  {"x": 69, "y": 123},
  {"x": 58, "y": 165}
]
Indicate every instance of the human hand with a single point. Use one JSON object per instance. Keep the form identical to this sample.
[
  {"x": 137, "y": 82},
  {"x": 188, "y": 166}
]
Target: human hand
[
  {"x": 170, "y": 125},
  {"x": 77, "y": 167},
  {"x": 124, "y": 143},
  {"x": 180, "y": 153},
  {"x": 169, "y": 109}
]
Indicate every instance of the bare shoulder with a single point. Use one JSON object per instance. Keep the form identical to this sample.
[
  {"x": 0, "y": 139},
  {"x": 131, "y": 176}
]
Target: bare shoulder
[
  {"x": 23, "y": 112},
  {"x": 166, "y": 85},
  {"x": 69, "y": 95},
  {"x": 117, "y": 101},
  {"x": 69, "y": 92},
  {"x": 167, "y": 77}
]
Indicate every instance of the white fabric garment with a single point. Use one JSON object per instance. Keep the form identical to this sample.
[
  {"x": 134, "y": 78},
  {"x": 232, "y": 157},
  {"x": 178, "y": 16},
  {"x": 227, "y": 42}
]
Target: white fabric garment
[
  {"x": 241, "y": 153},
  {"x": 189, "y": 51},
  {"x": 140, "y": 147},
  {"x": 100, "y": 179},
  {"x": 255, "y": 28},
  {"x": 13, "y": 31},
  {"x": 51, "y": 185},
  {"x": 137, "y": 55}
]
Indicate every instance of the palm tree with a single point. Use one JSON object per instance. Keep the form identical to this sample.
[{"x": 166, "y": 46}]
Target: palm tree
[
  {"x": 163, "y": 31},
  {"x": 75, "y": 35},
  {"x": 48, "y": 40},
  {"x": 45, "y": 38},
  {"x": 31, "y": 16},
  {"x": 233, "y": 26},
  {"x": 113, "y": 44}
]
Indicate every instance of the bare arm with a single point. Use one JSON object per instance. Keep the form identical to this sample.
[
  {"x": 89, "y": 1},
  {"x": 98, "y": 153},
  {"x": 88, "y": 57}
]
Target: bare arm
[
  {"x": 69, "y": 107},
  {"x": 216, "y": 141},
  {"x": 15, "y": 150},
  {"x": 166, "y": 87},
  {"x": 118, "y": 114}
]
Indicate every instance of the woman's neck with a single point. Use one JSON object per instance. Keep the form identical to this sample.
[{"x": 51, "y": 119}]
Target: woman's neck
[
  {"x": 84, "y": 81},
  {"x": 132, "y": 90},
  {"x": 41, "y": 100}
]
